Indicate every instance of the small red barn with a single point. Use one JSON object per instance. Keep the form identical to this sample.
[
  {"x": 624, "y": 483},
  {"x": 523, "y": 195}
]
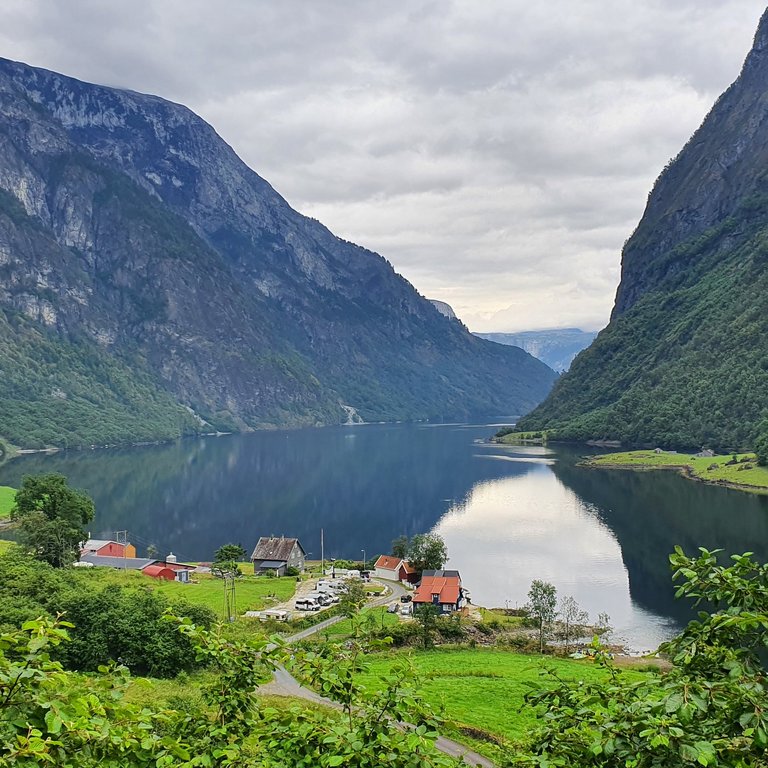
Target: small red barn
[{"x": 159, "y": 571}]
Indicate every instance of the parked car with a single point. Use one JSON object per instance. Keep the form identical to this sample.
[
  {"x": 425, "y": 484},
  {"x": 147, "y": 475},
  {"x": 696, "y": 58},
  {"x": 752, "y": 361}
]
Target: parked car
[
  {"x": 392, "y": 608},
  {"x": 405, "y": 610},
  {"x": 321, "y": 597},
  {"x": 406, "y": 598},
  {"x": 307, "y": 604}
]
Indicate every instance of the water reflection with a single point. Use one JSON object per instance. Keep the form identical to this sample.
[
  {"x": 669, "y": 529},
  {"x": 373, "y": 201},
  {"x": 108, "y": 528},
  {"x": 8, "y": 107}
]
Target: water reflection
[
  {"x": 509, "y": 515},
  {"x": 513, "y": 530}
]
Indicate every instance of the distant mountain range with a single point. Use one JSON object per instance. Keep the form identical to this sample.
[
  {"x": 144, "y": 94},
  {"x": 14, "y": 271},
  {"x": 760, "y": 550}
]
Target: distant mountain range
[
  {"x": 152, "y": 285},
  {"x": 556, "y": 347},
  {"x": 684, "y": 360}
]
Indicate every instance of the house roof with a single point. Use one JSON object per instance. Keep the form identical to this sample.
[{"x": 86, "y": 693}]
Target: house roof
[
  {"x": 93, "y": 544},
  {"x": 129, "y": 563},
  {"x": 388, "y": 562},
  {"x": 156, "y": 569},
  {"x": 447, "y": 587},
  {"x": 443, "y": 574},
  {"x": 274, "y": 548}
]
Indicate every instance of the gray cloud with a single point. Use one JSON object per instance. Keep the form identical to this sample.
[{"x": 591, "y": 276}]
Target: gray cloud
[{"x": 498, "y": 153}]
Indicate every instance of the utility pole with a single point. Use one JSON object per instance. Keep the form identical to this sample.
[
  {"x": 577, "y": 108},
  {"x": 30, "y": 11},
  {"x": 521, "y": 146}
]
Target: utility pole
[
  {"x": 229, "y": 595},
  {"x": 322, "y": 554},
  {"x": 124, "y": 536}
]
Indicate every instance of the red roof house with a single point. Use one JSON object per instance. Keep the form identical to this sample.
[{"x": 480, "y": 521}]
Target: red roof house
[
  {"x": 440, "y": 588},
  {"x": 394, "y": 569}
]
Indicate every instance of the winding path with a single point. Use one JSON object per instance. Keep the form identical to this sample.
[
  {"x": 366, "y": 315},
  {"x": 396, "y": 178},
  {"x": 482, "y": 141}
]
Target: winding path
[{"x": 284, "y": 683}]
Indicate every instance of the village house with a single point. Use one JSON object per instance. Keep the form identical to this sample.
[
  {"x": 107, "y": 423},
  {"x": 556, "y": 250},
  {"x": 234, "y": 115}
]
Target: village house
[
  {"x": 439, "y": 588},
  {"x": 394, "y": 569},
  {"x": 276, "y": 555},
  {"x": 107, "y": 548}
]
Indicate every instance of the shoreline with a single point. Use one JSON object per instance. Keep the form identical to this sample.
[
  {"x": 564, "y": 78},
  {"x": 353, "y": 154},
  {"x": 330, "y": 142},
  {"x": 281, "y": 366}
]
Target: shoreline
[{"x": 640, "y": 461}]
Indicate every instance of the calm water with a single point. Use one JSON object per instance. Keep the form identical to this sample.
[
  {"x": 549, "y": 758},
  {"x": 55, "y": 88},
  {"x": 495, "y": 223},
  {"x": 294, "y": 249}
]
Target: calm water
[{"x": 508, "y": 515}]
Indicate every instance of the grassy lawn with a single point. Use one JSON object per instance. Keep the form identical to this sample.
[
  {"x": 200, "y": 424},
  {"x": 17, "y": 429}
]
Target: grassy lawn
[
  {"x": 755, "y": 478},
  {"x": 343, "y": 629},
  {"x": 252, "y": 593},
  {"x": 483, "y": 688},
  {"x": 4, "y": 545},
  {"x": 7, "y": 498}
]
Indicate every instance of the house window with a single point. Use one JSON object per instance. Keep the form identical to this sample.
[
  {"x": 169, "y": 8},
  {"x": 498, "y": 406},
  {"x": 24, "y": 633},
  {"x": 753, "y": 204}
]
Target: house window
[{"x": 435, "y": 597}]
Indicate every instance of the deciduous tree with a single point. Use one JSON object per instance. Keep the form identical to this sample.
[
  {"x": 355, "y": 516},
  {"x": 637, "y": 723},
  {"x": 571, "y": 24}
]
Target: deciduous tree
[
  {"x": 542, "y": 606},
  {"x": 51, "y": 517},
  {"x": 427, "y": 551}
]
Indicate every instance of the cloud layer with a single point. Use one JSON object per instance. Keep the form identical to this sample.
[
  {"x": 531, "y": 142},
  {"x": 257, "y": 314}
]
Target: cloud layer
[{"x": 498, "y": 153}]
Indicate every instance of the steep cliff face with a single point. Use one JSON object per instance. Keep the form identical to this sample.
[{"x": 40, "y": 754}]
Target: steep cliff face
[
  {"x": 131, "y": 233},
  {"x": 684, "y": 360}
]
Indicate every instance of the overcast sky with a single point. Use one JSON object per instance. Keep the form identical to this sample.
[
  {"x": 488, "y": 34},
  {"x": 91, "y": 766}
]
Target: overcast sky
[{"x": 497, "y": 153}]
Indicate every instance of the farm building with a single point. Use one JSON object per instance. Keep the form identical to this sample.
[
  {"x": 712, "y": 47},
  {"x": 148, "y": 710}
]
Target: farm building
[
  {"x": 107, "y": 548},
  {"x": 276, "y": 555},
  {"x": 394, "y": 569}
]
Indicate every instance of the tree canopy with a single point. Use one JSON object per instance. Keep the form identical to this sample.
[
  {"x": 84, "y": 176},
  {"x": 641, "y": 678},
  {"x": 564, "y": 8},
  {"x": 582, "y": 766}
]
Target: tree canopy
[
  {"x": 51, "y": 516},
  {"x": 424, "y": 551}
]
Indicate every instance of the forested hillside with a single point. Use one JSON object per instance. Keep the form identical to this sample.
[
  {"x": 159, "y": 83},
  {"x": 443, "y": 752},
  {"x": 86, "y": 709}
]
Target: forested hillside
[{"x": 684, "y": 361}]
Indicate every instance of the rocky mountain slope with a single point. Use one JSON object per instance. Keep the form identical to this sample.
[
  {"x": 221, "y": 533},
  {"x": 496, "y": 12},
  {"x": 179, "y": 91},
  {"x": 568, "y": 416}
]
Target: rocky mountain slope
[
  {"x": 684, "y": 360},
  {"x": 151, "y": 284},
  {"x": 556, "y": 347}
]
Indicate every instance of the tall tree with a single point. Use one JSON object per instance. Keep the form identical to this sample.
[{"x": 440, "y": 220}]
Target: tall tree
[
  {"x": 230, "y": 553},
  {"x": 427, "y": 552},
  {"x": 52, "y": 516},
  {"x": 542, "y": 605}
]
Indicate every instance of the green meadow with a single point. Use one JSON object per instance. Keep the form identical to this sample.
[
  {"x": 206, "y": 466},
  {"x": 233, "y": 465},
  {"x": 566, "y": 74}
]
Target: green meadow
[{"x": 745, "y": 474}]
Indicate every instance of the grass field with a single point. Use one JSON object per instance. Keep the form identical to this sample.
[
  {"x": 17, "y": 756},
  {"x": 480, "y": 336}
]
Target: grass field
[
  {"x": 521, "y": 438},
  {"x": 484, "y": 689},
  {"x": 7, "y": 497},
  {"x": 251, "y": 593},
  {"x": 377, "y": 616},
  {"x": 4, "y": 545},
  {"x": 754, "y": 479}
]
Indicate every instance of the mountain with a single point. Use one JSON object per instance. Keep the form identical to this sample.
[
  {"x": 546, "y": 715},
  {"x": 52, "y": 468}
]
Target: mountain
[
  {"x": 556, "y": 347},
  {"x": 152, "y": 285},
  {"x": 684, "y": 360}
]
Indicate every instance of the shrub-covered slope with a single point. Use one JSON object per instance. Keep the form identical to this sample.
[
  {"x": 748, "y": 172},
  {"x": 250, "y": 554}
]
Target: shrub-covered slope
[{"x": 684, "y": 360}]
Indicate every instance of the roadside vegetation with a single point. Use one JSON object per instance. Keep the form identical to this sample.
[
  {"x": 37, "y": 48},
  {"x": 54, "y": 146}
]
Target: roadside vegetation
[{"x": 738, "y": 470}]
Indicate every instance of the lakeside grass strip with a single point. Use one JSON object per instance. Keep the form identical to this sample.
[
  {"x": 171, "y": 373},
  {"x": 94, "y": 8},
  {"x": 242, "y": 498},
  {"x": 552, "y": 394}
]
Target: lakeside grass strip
[{"x": 754, "y": 480}]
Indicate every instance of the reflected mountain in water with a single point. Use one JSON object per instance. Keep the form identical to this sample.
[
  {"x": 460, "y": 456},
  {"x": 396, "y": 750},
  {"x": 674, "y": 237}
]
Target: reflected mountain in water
[
  {"x": 364, "y": 485},
  {"x": 651, "y": 512}
]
